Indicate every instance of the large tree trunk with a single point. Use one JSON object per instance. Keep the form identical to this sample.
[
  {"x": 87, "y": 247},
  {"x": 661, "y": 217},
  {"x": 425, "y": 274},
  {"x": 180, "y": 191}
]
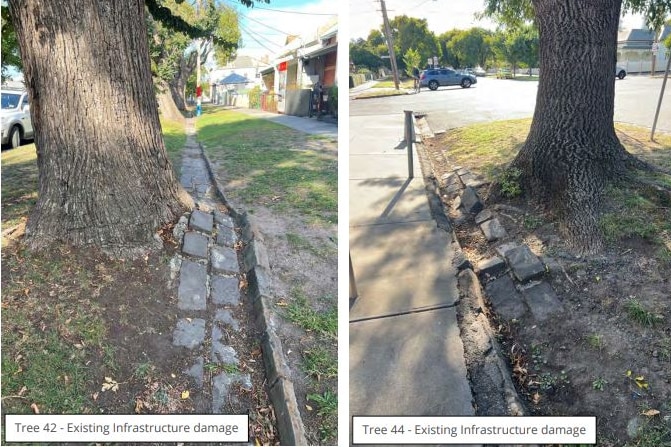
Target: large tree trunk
[
  {"x": 572, "y": 149},
  {"x": 178, "y": 84},
  {"x": 104, "y": 176},
  {"x": 166, "y": 104}
]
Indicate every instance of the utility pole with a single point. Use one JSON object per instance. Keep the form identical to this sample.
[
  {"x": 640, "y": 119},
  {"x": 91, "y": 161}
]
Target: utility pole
[
  {"x": 199, "y": 89},
  {"x": 390, "y": 43},
  {"x": 661, "y": 95}
]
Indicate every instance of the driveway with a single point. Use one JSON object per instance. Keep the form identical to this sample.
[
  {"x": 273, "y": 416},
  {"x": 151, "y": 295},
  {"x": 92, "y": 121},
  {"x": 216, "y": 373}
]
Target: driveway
[{"x": 497, "y": 99}]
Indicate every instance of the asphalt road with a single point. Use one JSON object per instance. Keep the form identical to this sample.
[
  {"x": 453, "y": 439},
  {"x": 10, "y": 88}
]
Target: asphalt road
[{"x": 497, "y": 99}]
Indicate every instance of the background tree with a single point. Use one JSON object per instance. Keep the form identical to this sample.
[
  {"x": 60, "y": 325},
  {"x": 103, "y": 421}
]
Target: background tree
[
  {"x": 411, "y": 59},
  {"x": 413, "y": 33},
  {"x": 572, "y": 152},
  {"x": 448, "y": 56},
  {"x": 471, "y": 47},
  {"x": 10, "y": 47},
  {"x": 104, "y": 176},
  {"x": 174, "y": 53},
  {"x": 361, "y": 55}
]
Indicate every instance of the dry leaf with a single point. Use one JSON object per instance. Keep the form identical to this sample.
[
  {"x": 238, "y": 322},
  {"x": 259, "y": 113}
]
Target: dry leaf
[
  {"x": 138, "y": 405},
  {"x": 35, "y": 409},
  {"x": 650, "y": 413},
  {"x": 185, "y": 394},
  {"x": 23, "y": 390},
  {"x": 536, "y": 398},
  {"x": 282, "y": 303},
  {"x": 110, "y": 384},
  {"x": 308, "y": 407},
  {"x": 95, "y": 396}
]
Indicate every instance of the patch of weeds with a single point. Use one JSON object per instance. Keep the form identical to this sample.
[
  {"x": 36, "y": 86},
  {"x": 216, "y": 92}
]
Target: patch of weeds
[
  {"x": 299, "y": 243},
  {"x": 301, "y": 313},
  {"x": 537, "y": 355},
  {"x": 599, "y": 383},
  {"x": 327, "y": 402},
  {"x": 230, "y": 368},
  {"x": 663, "y": 348},
  {"x": 144, "y": 370},
  {"x": 594, "y": 341},
  {"x": 652, "y": 434},
  {"x": 640, "y": 314},
  {"x": 548, "y": 381},
  {"x": 319, "y": 362},
  {"x": 327, "y": 431},
  {"x": 531, "y": 222},
  {"x": 509, "y": 181}
]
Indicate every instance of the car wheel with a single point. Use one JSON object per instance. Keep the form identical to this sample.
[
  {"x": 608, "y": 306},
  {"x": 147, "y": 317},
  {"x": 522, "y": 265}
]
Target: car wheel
[
  {"x": 14, "y": 137},
  {"x": 465, "y": 83},
  {"x": 621, "y": 74},
  {"x": 433, "y": 85}
]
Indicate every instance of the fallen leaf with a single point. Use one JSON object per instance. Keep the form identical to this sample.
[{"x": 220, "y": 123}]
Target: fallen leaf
[
  {"x": 650, "y": 413},
  {"x": 308, "y": 407},
  {"x": 536, "y": 398},
  {"x": 35, "y": 409},
  {"x": 138, "y": 405},
  {"x": 23, "y": 390},
  {"x": 95, "y": 396},
  {"x": 110, "y": 384},
  {"x": 628, "y": 373},
  {"x": 185, "y": 394},
  {"x": 282, "y": 303}
]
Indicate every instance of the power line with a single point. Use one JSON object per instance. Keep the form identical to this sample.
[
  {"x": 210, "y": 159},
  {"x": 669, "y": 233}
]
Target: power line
[
  {"x": 250, "y": 34},
  {"x": 267, "y": 26},
  {"x": 296, "y": 12}
]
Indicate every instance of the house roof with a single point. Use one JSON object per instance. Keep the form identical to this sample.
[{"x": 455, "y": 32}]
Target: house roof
[
  {"x": 638, "y": 39},
  {"x": 234, "y": 78}
]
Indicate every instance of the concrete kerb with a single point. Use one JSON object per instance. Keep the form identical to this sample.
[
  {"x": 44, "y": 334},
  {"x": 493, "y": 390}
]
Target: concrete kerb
[
  {"x": 472, "y": 303},
  {"x": 255, "y": 264}
]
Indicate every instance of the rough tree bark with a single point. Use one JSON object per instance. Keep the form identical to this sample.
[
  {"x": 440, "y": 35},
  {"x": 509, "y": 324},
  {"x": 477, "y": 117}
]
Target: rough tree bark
[
  {"x": 104, "y": 176},
  {"x": 572, "y": 150},
  {"x": 166, "y": 103}
]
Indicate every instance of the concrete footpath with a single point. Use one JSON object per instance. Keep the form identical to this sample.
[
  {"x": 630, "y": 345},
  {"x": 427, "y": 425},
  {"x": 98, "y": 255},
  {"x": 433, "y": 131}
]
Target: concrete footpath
[
  {"x": 313, "y": 126},
  {"x": 406, "y": 354}
]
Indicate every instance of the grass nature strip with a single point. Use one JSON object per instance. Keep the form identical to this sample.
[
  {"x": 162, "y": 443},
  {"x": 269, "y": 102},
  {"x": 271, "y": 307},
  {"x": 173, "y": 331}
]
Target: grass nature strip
[{"x": 261, "y": 162}]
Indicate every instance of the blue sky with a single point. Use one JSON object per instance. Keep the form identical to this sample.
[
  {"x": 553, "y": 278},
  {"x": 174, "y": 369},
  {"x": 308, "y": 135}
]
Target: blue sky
[{"x": 266, "y": 26}]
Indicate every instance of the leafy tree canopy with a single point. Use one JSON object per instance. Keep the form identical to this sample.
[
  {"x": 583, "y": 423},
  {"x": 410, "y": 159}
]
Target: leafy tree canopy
[{"x": 516, "y": 12}]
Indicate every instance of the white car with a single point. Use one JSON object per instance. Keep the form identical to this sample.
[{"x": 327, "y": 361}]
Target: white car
[
  {"x": 620, "y": 72},
  {"x": 15, "y": 117}
]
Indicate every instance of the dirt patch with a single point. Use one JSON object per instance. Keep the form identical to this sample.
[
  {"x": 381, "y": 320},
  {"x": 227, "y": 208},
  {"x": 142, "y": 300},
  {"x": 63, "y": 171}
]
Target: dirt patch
[
  {"x": 609, "y": 354},
  {"x": 303, "y": 265},
  {"x": 86, "y": 334}
]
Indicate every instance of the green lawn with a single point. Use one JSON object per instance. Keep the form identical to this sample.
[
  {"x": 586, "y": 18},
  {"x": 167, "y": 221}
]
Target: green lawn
[
  {"x": 631, "y": 211},
  {"x": 272, "y": 164},
  {"x": 174, "y": 136}
]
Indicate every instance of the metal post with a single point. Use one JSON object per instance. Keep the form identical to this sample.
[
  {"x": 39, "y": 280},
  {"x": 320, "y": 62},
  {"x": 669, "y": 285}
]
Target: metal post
[
  {"x": 409, "y": 129},
  {"x": 661, "y": 94},
  {"x": 353, "y": 294}
]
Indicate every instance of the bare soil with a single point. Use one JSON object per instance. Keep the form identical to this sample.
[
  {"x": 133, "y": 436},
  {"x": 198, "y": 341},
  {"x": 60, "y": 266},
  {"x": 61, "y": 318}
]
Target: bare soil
[
  {"x": 132, "y": 304},
  {"x": 597, "y": 358},
  {"x": 315, "y": 272}
]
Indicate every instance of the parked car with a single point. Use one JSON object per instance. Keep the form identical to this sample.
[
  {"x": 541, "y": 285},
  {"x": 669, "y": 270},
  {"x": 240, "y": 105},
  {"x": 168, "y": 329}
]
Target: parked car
[
  {"x": 436, "y": 77},
  {"x": 479, "y": 71},
  {"x": 468, "y": 71},
  {"x": 620, "y": 72},
  {"x": 504, "y": 73},
  {"x": 15, "y": 117}
]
